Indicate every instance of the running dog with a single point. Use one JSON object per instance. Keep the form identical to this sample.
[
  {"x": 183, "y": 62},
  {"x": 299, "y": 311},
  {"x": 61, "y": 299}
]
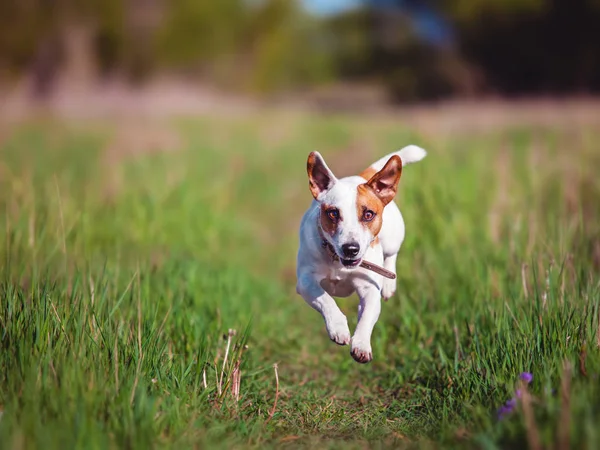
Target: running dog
[{"x": 351, "y": 222}]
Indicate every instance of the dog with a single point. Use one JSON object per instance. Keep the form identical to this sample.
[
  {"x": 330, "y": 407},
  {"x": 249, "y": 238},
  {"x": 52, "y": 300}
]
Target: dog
[{"x": 351, "y": 219}]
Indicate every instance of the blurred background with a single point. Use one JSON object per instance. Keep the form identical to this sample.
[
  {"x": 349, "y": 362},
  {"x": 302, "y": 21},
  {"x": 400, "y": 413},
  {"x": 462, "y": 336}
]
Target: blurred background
[
  {"x": 153, "y": 178},
  {"x": 331, "y": 54}
]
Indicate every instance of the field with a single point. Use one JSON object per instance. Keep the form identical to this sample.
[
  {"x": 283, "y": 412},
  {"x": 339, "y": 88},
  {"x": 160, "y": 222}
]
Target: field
[{"x": 129, "y": 250}]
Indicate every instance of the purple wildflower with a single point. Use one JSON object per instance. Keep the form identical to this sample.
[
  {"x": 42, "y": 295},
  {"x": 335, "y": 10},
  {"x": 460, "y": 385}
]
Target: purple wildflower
[
  {"x": 507, "y": 408},
  {"x": 511, "y": 404},
  {"x": 526, "y": 377},
  {"x": 518, "y": 393}
]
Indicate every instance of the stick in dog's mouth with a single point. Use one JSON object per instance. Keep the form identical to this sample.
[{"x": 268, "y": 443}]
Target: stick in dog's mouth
[{"x": 378, "y": 269}]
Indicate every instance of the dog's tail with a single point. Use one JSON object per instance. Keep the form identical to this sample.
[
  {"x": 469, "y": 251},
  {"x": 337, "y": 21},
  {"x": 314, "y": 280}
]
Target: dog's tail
[{"x": 409, "y": 154}]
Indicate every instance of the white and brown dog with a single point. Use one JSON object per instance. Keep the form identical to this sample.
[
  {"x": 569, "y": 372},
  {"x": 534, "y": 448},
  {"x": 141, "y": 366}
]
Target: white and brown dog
[{"x": 350, "y": 220}]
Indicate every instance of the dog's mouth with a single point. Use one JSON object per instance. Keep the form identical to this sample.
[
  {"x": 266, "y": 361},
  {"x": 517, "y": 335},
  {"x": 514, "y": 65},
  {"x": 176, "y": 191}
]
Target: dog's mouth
[{"x": 350, "y": 262}]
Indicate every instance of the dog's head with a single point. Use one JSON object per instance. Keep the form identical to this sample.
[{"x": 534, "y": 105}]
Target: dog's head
[{"x": 351, "y": 213}]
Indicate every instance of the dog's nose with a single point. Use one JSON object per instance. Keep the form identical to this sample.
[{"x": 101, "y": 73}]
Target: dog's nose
[{"x": 350, "y": 250}]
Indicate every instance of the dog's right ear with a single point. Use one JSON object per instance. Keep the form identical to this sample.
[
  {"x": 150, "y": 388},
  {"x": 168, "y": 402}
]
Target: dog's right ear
[{"x": 320, "y": 178}]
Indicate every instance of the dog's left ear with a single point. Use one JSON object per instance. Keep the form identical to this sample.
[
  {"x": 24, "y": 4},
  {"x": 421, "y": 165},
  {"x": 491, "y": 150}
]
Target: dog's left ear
[
  {"x": 320, "y": 178},
  {"x": 385, "y": 182}
]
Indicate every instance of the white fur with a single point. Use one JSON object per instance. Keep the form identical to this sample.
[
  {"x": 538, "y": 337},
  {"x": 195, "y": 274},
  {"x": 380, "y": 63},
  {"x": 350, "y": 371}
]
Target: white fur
[
  {"x": 320, "y": 278},
  {"x": 409, "y": 154}
]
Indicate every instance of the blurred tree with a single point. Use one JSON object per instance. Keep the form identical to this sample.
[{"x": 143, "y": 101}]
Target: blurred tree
[
  {"x": 418, "y": 49},
  {"x": 195, "y": 31},
  {"x": 37, "y": 35},
  {"x": 110, "y": 34},
  {"x": 534, "y": 47},
  {"x": 381, "y": 45},
  {"x": 465, "y": 11},
  {"x": 287, "y": 48},
  {"x": 521, "y": 46},
  {"x": 264, "y": 45},
  {"x": 22, "y": 27}
]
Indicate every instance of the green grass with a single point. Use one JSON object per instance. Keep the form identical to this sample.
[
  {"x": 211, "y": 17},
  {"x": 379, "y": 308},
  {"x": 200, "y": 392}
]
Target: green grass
[{"x": 122, "y": 275}]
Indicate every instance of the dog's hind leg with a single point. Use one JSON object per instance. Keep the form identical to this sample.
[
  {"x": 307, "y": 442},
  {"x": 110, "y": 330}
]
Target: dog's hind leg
[{"x": 388, "y": 288}]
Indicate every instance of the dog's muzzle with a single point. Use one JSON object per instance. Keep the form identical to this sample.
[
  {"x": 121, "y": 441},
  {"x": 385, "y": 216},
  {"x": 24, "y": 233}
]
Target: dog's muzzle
[
  {"x": 350, "y": 252},
  {"x": 350, "y": 262}
]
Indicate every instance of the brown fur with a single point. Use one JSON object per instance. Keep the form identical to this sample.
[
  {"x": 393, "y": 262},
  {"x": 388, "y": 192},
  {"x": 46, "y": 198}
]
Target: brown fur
[
  {"x": 367, "y": 173},
  {"x": 373, "y": 195},
  {"x": 318, "y": 179},
  {"x": 377, "y": 192},
  {"x": 329, "y": 226},
  {"x": 385, "y": 182},
  {"x": 366, "y": 199}
]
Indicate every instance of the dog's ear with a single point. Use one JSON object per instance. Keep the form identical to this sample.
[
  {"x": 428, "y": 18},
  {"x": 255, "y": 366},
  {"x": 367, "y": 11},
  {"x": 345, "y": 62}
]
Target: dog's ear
[
  {"x": 385, "y": 182},
  {"x": 320, "y": 178}
]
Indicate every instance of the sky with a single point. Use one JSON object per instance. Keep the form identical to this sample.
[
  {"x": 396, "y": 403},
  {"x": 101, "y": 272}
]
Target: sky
[
  {"x": 330, "y": 7},
  {"x": 429, "y": 25}
]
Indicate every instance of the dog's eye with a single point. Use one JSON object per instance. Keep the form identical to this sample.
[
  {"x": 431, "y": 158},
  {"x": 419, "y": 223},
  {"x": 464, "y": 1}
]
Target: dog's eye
[
  {"x": 333, "y": 214},
  {"x": 368, "y": 215}
]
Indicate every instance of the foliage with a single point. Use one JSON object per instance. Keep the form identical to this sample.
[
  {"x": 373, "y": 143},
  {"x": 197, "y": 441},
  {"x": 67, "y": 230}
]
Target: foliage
[
  {"x": 416, "y": 49},
  {"x": 546, "y": 49},
  {"x": 382, "y": 48},
  {"x": 268, "y": 45}
]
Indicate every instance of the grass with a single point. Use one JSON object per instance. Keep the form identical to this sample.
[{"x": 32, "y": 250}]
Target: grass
[{"x": 124, "y": 270}]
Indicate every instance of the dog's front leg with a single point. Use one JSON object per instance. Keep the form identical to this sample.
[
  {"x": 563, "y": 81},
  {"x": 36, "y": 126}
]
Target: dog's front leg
[
  {"x": 368, "y": 314},
  {"x": 335, "y": 320}
]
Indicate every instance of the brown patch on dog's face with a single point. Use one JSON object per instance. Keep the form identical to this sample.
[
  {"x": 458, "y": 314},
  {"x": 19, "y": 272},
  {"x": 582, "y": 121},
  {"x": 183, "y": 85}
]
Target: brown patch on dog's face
[
  {"x": 369, "y": 208},
  {"x": 375, "y": 241},
  {"x": 330, "y": 218},
  {"x": 367, "y": 173},
  {"x": 372, "y": 196}
]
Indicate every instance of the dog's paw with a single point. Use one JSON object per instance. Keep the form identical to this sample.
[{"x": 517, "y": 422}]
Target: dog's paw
[
  {"x": 361, "y": 353},
  {"x": 388, "y": 289},
  {"x": 338, "y": 331}
]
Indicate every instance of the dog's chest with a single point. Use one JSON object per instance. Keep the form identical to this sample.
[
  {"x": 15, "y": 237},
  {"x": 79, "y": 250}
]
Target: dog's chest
[{"x": 337, "y": 284}]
